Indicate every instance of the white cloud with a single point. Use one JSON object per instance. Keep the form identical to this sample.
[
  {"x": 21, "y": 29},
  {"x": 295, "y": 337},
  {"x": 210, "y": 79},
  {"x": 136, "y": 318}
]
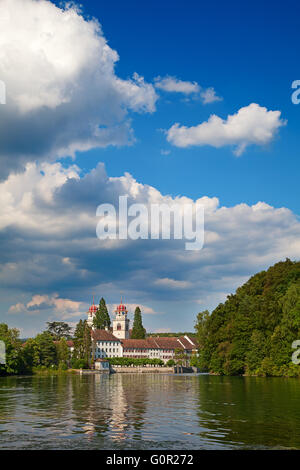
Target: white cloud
[
  {"x": 62, "y": 308},
  {"x": 131, "y": 308},
  {"x": 209, "y": 96},
  {"x": 49, "y": 244},
  {"x": 173, "y": 84},
  {"x": 172, "y": 283},
  {"x": 62, "y": 91},
  {"x": 252, "y": 124}
]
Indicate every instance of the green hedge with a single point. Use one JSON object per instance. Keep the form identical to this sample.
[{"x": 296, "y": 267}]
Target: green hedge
[{"x": 132, "y": 361}]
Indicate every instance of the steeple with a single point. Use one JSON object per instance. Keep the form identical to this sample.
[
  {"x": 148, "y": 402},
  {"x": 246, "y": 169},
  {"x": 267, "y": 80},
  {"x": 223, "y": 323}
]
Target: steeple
[
  {"x": 91, "y": 312},
  {"x": 121, "y": 322}
]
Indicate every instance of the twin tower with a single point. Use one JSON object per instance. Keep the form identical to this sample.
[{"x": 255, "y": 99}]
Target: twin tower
[{"x": 120, "y": 323}]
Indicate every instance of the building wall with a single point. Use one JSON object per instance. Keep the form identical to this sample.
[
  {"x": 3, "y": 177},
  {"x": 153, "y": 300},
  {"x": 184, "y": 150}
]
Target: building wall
[
  {"x": 123, "y": 322},
  {"x": 107, "y": 349}
]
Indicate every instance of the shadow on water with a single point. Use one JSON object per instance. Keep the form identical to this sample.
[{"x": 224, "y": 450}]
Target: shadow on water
[{"x": 152, "y": 411}]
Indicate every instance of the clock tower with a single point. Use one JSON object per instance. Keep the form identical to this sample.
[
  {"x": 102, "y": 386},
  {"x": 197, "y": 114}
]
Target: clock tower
[{"x": 121, "y": 322}]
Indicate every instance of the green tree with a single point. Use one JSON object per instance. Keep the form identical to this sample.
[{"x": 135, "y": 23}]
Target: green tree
[
  {"x": 138, "y": 331},
  {"x": 31, "y": 354},
  {"x": 63, "y": 353},
  {"x": 256, "y": 352},
  {"x": 13, "y": 349},
  {"x": 170, "y": 363},
  {"x": 82, "y": 343},
  {"x": 252, "y": 332},
  {"x": 201, "y": 327},
  {"x": 101, "y": 319},
  {"x": 180, "y": 357},
  {"x": 59, "y": 330},
  {"x": 47, "y": 349}
]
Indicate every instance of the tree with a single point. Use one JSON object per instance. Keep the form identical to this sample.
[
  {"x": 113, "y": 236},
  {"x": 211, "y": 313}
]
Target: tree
[
  {"x": 47, "y": 349},
  {"x": 82, "y": 343},
  {"x": 101, "y": 319},
  {"x": 59, "y": 330},
  {"x": 63, "y": 353},
  {"x": 13, "y": 351},
  {"x": 253, "y": 331},
  {"x": 180, "y": 357},
  {"x": 170, "y": 363},
  {"x": 138, "y": 331},
  {"x": 201, "y": 327},
  {"x": 31, "y": 354}
]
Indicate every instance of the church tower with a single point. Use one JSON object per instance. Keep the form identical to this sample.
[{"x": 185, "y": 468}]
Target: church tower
[
  {"x": 121, "y": 322},
  {"x": 91, "y": 313}
]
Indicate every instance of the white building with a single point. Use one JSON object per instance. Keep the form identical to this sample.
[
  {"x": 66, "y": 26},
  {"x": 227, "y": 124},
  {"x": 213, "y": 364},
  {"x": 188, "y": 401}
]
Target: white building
[
  {"x": 121, "y": 322},
  {"x": 117, "y": 342}
]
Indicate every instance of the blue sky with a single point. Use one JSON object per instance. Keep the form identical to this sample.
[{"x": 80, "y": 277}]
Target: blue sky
[
  {"x": 61, "y": 85},
  {"x": 248, "y": 53}
]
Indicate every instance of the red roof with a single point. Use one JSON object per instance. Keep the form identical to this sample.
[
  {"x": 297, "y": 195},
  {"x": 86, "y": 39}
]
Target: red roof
[
  {"x": 121, "y": 308},
  {"x": 103, "y": 335},
  {"x": 164, "y": 342},
  {"x": 138, "y": 343},
  {"x": 93, "y": 308}
]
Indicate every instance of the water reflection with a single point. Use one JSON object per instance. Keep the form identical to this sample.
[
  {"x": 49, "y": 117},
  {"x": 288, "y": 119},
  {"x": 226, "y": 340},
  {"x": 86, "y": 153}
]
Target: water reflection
[{"x": 148, "y": 411}]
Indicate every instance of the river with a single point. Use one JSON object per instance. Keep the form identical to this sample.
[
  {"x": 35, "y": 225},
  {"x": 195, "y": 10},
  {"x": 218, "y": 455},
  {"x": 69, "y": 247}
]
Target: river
[{"x": 149, "y": 411}]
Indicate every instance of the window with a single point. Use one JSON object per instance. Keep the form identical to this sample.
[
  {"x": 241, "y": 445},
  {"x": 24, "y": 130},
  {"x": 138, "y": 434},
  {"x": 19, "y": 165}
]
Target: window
[{"x": 119, "y": 327}]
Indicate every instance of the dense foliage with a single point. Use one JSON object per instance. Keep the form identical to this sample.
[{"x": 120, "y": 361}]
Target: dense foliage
[
  {"x": 59, "y": 330},
  {"x": 82, "y": 345},
  {"x": 253, "y": 331},
  {"x": 102, "y": 319},
  {"x": 132, "y": 361},
  {"x": 138, "y": 331},
  {"x": 37, "y": 353}
]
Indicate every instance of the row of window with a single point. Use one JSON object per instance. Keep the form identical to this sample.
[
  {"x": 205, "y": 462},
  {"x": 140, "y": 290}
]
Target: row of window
[
  {"x": 107, "y": 350},
  {"x": 149, "y": 351}
]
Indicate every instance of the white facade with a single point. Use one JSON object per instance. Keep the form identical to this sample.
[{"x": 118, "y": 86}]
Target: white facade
[
  {"x": 107, "y": 348},
  {"x": 121, "y": 326}
]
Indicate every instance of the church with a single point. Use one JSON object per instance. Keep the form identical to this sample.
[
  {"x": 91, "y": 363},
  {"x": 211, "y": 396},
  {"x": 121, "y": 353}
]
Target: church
[{"x": 116, "y": 341}]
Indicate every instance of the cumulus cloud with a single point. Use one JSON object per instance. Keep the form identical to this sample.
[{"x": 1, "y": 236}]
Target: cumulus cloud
[
  {"x": 49, "y": 244},
  {"x": 209, "y": 96},
  {"x": 61, "y": 308},
  {"x": 131, "y": 308},
  {"x": 252, "y": 124},
  {"x": 172, "y": 283},
  {"x": 175, "y": 85},
  {"x": 62, "y": 92}
]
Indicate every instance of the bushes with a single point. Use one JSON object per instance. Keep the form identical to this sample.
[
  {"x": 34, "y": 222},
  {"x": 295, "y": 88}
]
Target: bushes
[
  {"x": 79, "y": 364},
  {"x": 170, "y": 363},
  {"x": 133, "y": 361}
]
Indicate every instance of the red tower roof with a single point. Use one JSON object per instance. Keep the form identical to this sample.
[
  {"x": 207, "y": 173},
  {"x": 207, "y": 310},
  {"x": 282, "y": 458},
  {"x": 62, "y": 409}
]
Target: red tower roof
[
  {"x": 93, "y": 308},
  {"x": 121, "y": 308}
]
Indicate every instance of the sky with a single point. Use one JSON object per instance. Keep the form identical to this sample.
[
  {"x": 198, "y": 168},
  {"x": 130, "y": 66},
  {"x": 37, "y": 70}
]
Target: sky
[{"x": 165, "y": 102}]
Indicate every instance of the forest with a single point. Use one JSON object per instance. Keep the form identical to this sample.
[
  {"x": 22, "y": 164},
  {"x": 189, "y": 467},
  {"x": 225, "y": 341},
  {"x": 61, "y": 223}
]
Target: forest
[{"x": 252, "y": 333}]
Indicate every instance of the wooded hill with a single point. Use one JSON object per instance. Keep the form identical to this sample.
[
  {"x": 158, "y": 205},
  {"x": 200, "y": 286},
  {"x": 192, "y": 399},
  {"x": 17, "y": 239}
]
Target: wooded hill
[{"x": 253, "y": 331}]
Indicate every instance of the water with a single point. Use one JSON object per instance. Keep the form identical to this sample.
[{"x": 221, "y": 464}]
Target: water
[{"x": 149, "y": 411}]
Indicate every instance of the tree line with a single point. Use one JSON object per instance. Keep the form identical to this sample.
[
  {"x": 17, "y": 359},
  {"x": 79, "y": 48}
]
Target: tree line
[
  {"x": 253, "y": 331},
  {"x": 49, "y": 349}
]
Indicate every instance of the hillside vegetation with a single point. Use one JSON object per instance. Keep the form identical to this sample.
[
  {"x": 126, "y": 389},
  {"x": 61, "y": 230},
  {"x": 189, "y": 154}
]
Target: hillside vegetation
[{"x": 253, "y": 331}]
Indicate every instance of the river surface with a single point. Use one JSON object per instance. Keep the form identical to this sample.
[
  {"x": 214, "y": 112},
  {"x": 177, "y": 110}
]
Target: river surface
[{"x": 149, "y": 411}]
